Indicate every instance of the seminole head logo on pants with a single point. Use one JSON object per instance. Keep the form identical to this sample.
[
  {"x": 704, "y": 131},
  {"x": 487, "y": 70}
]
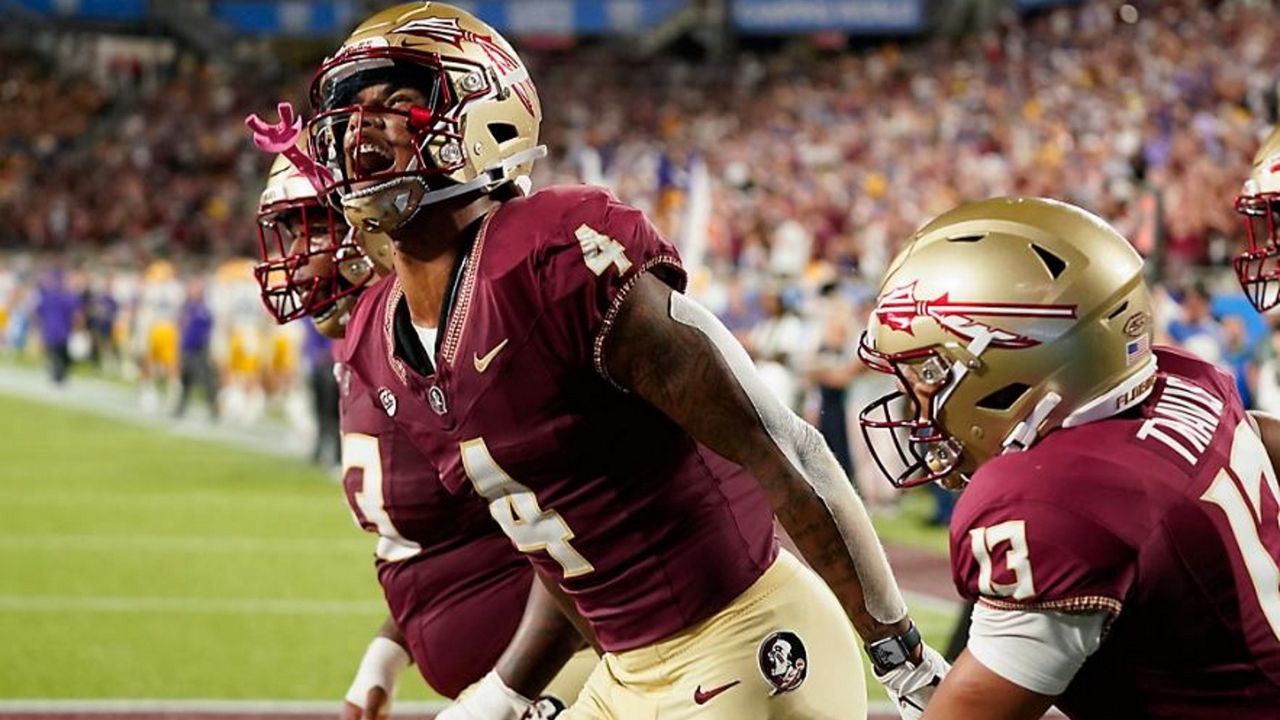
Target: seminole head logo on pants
[{"x": 784, "y": 662}]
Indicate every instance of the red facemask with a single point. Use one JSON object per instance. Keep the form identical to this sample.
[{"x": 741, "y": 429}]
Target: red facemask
[
  {"x": 302, "y": 243},
  {"x": 1258, "y": 268}
]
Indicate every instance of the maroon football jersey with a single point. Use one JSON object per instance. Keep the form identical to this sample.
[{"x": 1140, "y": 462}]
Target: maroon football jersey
[
  {"x": 646, "y": 529},
  {"x": 453, "y": 584},
  {"x": 1166, "y": 518}
]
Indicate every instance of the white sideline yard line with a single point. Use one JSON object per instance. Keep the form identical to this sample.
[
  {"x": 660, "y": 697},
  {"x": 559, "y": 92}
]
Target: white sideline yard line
[
  {"x": 187, "y": 605},
  {"x": 259, "y": 707},
  {"x": 184, "y": 544},
  {"x": 203, "y": 498},
  {"x": 116, "y": 402},
  {"x": 213, "y": 707},
  {"x": 262, "y": 606},
  {"x": 199, "y": 707},
  {"x": 931, "y": 603}
]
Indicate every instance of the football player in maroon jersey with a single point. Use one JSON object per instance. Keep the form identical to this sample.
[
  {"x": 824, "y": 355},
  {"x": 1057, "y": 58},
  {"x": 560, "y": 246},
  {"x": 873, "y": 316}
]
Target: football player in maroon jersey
[
  {"x": 620, "y": 435},
  {"x": 451, "y": 579},
  {"x": 1119, "y": 526},
  {"x": 1258, "y": 266}
]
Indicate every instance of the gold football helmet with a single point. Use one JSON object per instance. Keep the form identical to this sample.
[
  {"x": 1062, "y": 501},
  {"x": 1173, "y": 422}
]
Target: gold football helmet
[
  {"x": 1003, "y": 320},
  {"x": 310, "y": 264},
  {"x": 1259, "y": 204},
  {"x": 475, "y": 129}
]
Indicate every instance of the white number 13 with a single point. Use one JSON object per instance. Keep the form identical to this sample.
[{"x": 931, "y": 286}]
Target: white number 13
[
  {"x": 361, "y": 452},
  {"x": 984, "y": 539}
]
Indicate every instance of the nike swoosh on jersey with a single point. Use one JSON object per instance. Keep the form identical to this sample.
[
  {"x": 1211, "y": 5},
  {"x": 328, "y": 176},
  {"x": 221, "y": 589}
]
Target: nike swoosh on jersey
[
  {"x": 482, "y": 363},
  {"x": 702, "y": 698}
]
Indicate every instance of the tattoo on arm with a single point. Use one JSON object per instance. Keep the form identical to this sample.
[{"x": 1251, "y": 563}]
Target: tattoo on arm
[{"x": 677, "y": 369}]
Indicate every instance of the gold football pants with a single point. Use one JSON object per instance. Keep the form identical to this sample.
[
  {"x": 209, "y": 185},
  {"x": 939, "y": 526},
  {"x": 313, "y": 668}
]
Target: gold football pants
[{"x": 782, "y": 649}]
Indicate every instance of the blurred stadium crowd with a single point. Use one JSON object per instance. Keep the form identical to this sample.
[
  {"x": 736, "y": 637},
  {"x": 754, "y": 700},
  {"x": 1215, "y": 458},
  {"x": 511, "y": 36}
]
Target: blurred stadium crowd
[{"x": 788, "y": 178}]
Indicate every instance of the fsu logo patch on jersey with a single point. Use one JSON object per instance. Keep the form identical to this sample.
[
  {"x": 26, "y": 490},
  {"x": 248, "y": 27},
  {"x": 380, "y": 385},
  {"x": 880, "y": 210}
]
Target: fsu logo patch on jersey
[
  {"x": 436, "y": 397},
  {"x": 784, "y": 662},
  {"x": 388, "y": 400}
]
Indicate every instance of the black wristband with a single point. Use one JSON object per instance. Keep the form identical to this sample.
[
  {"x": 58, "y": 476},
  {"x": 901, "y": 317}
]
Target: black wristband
[{"x": 891, "y": 652}]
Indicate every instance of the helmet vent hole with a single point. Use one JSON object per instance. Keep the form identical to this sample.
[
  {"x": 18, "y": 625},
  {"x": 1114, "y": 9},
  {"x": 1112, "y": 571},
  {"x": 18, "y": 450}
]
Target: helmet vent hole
[
  {"x": 1054, "y": 264},
  {"x": 503, "y": 132},
  {"x": 1123, "y": 306},
  {"x": 966, "y": 238},
  {"x": 1004, "y": 398}
]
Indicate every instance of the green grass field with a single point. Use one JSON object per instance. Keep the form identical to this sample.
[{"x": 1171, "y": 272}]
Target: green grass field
[
  {"x": 907, "y": 526},
  {"x": 135, "y": 564}
]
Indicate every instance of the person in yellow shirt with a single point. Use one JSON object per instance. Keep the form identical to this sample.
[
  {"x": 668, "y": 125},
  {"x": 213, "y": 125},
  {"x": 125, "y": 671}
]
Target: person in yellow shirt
[{"x": 156, "y": 334}]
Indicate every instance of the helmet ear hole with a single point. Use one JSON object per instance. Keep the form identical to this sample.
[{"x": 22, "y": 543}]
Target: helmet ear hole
[
  {"x": 502, "y": 132},
  {"x": 1004, "y": 398},
  {"x": 1114, "y": 313},
  {"x": 1054, "y": 264}
]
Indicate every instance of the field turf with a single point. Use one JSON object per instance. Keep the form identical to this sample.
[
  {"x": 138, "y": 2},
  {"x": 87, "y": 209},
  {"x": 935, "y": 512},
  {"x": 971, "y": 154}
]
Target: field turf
[{"x": 137, "y": 564}]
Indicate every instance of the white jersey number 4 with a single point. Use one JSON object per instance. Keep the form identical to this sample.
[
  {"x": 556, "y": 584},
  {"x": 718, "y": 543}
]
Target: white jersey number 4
[
  {"x": 600, "y": 251},
  {"x": 516, "y": 509}
]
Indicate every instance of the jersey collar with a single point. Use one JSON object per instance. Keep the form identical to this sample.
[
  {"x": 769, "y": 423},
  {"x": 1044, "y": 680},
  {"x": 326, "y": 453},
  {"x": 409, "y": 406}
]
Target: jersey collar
[{"x": 406, "y": 346}]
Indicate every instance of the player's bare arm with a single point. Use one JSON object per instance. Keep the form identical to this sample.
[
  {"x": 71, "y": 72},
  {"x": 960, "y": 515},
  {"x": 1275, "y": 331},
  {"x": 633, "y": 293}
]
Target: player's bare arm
[
  {"x": 1268, "y": 427},
  {"x": 972, "y": 692},
  {"x": 369, "y": 697},
  {"x": 680, "y": 368},
  {"x": 544, "y": 641}
]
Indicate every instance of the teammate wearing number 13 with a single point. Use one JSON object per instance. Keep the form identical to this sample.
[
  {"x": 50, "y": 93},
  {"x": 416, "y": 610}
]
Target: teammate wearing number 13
[
  {"x": 1119, "y": 526},
  {"x": 539, "y": 349}
]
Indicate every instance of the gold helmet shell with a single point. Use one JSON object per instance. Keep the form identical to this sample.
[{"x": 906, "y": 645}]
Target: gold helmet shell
[
  {"x": 285, "y": 184},
  {"x": 1264, "y": 175},
  {"x": 1258, "y": 205},
  {"x": 1009, "y": 318},
  {"x": 480, "y": 131}
]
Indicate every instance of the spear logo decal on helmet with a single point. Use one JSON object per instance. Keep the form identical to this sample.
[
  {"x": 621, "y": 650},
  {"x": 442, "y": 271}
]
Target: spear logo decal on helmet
[
  {"x": 448, "y": 30},
  {"x": 899, "y": 308}
]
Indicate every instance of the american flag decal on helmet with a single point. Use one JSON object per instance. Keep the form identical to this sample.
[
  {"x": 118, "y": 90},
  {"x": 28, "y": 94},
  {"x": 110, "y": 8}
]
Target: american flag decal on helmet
[
  {"x": 1137, "y": 349},
  {"x": 899, "y": 308}
]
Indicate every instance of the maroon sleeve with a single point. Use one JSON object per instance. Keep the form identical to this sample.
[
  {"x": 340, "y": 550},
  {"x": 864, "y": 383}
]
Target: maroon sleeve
[
  {"x": 1014, "y": 547},
  {"x": 588, "y": 265}
]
